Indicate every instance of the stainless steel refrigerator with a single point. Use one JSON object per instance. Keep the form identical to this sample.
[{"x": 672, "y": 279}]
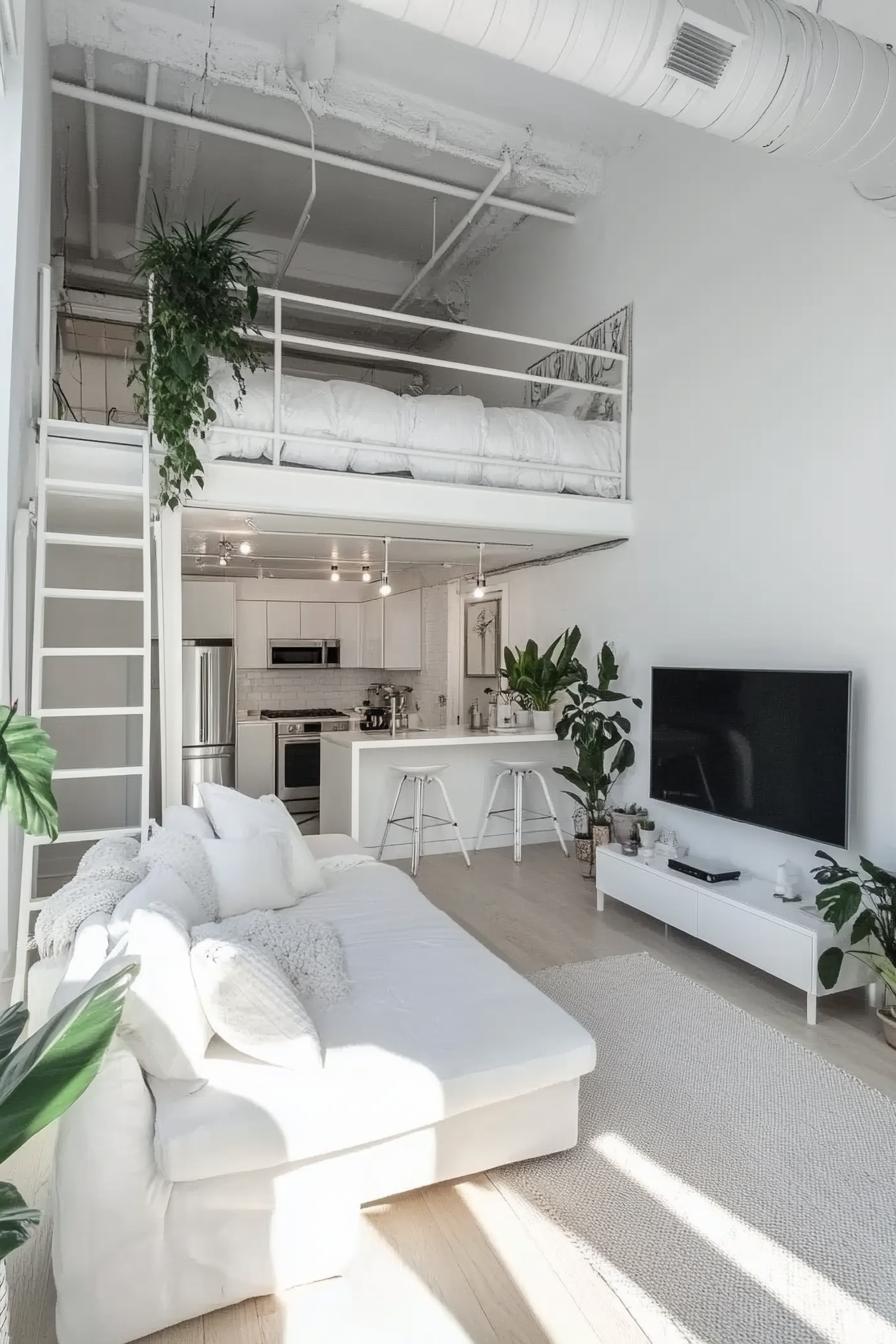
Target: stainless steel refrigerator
[{"x": 209, "y": 715}]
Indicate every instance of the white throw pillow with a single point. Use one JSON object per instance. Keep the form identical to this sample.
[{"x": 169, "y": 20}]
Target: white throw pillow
[
  {"x": 251, "y": 874},
  {"x": 187, "y": 821},
  {"x": 163, "y": 1022},
  {"x": 253, "y": 1007},
  {"x": 235, "y": 817},
  {"x": 161, "y": 886}
]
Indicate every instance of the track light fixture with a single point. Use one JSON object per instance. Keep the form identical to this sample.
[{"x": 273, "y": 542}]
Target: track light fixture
[
  {"x": 479, "y": 590},
  {"x": 334, "y": 573},
  {"x": 365, "y": 574},
  {"x": 385, "y": 586},
  {"x": 245, "y": 548}
]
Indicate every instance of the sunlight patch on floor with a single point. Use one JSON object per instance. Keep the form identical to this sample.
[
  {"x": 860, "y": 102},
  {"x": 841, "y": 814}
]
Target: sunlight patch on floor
[{"x": 831, "y": 1312}]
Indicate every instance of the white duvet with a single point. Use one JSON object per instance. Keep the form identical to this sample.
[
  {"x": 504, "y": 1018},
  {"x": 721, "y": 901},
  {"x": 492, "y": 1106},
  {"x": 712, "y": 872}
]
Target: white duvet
[{"x": 367, "y": 429}]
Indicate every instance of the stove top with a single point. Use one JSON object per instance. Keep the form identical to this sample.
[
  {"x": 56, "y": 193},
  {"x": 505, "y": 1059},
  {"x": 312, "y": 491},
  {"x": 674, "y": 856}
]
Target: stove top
[{"x": 303, "y": 714}]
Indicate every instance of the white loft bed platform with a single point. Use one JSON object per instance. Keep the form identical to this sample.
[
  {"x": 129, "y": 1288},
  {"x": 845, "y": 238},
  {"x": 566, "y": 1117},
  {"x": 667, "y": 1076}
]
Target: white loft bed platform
[{"x": 253, "y": 487}]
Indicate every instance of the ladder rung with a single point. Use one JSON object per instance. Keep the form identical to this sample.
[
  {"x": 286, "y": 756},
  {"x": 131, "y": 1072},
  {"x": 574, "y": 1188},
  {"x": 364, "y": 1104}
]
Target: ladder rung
[
  {"x": 107, "y": 489},
  {"x": 99, "y": 772},
  {"x": 93, "y": 594},
  {"x": 132, "y": 652},
  {"x": 83, "y": 539},
  {"x": 90, "y": 712},
  {"x": 73, "y": 837}
]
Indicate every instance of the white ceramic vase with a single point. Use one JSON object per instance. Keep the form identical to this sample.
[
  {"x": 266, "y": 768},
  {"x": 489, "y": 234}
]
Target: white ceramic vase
[{"x": 543, "y": 720}]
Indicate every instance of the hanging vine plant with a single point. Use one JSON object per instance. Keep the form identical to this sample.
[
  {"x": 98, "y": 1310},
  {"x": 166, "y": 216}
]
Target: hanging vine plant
[{"x": 198, "y": 311}]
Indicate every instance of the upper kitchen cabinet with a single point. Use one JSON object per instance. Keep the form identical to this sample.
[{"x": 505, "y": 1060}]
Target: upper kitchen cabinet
[
  {"x": 372, "y": 633},
  {"x": 284, "y": 620},
  {"x": 207, "y": 609},
  {"x": 252, "y": 634},
  {"x": 403, "y": 631},
  {"x": 348, "y": 632},
  {"x": 318, "y": 620}
]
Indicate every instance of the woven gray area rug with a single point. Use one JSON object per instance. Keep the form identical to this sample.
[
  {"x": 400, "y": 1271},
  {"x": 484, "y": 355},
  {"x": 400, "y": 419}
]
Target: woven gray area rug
[{"x": 729, "y": 1185}]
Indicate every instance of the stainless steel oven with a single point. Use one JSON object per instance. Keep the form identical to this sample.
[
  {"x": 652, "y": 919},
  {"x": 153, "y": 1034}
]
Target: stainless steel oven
[
  {"x": 298, "y": 760},
  {"x": 299, "y": 653}
]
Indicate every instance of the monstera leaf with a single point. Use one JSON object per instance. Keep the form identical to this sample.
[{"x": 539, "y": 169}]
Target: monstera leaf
[{"x": 26, "y": 773}]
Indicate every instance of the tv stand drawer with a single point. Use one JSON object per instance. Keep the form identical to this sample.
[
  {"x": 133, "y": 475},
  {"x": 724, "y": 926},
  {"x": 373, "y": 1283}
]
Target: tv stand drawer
[
  {"x": 650, "y": 891},
  {"x": 787, "y": 954}
]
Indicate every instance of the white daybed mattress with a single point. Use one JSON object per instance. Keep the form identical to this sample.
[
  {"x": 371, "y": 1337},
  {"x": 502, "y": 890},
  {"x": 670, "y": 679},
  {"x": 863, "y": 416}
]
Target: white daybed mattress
[{"x": 364, "y": 426}]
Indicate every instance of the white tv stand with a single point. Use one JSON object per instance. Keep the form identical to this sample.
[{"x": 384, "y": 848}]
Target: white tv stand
[{"x": 743, "y": 918}]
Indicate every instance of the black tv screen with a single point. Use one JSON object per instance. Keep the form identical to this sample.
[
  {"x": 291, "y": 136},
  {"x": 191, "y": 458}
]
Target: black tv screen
[{"x": 768, "y": 748}]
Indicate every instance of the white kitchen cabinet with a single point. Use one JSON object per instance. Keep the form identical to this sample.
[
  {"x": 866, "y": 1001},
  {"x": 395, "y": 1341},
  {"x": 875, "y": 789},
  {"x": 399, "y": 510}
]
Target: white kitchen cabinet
[
  {"x": 283, "y": 620},
  {"x": 251, "y": 634},
  {"x": 255, "y": 757},
  {"x": 403, "y": 630},
  {"x": 318, "y": 620},
  {"x": 207, "y": 609},
  {"x": 348, "y": 632},
  {"x": 372, "y": 633}
]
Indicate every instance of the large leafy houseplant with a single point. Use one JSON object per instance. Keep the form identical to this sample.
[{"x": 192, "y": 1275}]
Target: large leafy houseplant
[
  {"x": 539, "y": 678},
  {"x": 202, "y": 301},
  {"x": 603, "y": 748},
  {"x": 866, "y": 900},
  {"x": 26, "y": 773}
]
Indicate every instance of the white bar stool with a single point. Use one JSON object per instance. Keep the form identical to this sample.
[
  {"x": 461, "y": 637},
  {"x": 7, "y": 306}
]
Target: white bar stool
[
  {"x": 419, "y": 821},
  {"x": 519, "y": 771}
]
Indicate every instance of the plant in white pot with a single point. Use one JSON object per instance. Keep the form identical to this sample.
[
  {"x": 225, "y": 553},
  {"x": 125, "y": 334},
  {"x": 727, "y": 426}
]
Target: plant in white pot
[
  {"x": 539, "y": 679},
  {"x": 627, "y": 822},
  {"x": 604, "y": 750},
  {"x": 647, "y": 836},
  {"x": 43, "y": 1075},
  {"x": 866, "y": 900}
]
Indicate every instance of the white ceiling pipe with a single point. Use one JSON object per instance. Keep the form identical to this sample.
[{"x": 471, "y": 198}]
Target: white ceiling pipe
[
  {"x": 90, "y": 142},
  {"x": 795, "y": 81},
  {"x": 95, "y": 97},
  {"x": 152, "y": 83}
]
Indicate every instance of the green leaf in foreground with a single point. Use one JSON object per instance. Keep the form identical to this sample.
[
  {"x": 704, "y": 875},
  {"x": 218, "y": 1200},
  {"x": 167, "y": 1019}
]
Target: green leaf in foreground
[{"x": 27, "y": 758}]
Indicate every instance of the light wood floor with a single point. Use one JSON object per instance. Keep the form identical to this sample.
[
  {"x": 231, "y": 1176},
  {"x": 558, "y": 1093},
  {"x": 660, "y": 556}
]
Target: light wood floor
[{"x": 461, "y": 1263}]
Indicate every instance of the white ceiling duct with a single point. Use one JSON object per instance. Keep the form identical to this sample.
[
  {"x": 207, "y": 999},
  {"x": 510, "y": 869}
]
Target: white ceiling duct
[{"x": 760, "y": 72}]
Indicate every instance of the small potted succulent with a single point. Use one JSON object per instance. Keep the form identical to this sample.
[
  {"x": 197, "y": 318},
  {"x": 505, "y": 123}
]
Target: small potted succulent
[
  {"x": 866, "y": 900},
  {"x": 538, "y": 679},
  {"x": 627, "y": 821},
  {"x": 647, "y": 836}
]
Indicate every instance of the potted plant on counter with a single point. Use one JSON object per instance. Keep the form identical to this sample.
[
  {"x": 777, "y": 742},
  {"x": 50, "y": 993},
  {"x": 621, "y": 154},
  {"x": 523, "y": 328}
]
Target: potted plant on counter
[
  {"x": 627, "y": 821},
  {"x": 538, "y": 679},
  {"x": 867, "y": 901},
  {"x": 603, "y": 748}
]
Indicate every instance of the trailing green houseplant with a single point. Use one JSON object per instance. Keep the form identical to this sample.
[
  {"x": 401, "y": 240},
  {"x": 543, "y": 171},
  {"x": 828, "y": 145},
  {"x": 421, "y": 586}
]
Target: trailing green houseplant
[
  {"x": 537, "y": 679},
  {"x": 866, "y": 900},
  {"x": 604, "y": 750},
  {"x": 202, "y": 303}
]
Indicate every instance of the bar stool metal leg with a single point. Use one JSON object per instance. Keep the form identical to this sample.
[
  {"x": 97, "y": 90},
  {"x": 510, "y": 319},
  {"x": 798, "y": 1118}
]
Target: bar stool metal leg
[
  {"x": 551, "y": 813},
  {"x": 450, "y": 810},
  {"x": 417, "y": 827},
  {"x": 488, "y": 810},
  {"x": 518, "y": 816},
  {"x": 389, "y": 819}
]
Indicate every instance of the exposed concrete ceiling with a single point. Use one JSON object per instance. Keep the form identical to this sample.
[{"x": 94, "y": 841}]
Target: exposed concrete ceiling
[{"x": 385, "y": 93}]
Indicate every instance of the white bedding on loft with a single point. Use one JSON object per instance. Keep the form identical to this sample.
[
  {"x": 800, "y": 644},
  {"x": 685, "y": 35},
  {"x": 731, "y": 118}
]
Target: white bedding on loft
[{"x": 349, "y": 414}]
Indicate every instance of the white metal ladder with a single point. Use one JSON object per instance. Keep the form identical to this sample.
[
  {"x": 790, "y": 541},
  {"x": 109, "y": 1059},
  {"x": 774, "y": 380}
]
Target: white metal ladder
[{"x": 53, "y": 436}]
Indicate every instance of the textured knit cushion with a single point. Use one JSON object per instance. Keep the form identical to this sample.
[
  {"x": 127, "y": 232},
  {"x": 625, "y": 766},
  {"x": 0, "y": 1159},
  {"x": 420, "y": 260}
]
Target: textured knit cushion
[
  {"x": 161, "y": 886},
  {"x": 308, "y": 951},
  {"x": 236, "y": 817},
  {"x": 163, "y": 1022},
  {"x": 253, "y": 1007},
  {"x": 251, "y": 874}
]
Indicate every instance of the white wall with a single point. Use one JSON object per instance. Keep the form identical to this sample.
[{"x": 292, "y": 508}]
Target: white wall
[
  {"x": 763, "y": 461},
  {"x": 24, "y": 244}
]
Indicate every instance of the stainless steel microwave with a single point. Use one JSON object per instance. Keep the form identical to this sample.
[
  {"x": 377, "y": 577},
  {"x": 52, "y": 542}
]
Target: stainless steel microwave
[{"x": 298, "y": 653}]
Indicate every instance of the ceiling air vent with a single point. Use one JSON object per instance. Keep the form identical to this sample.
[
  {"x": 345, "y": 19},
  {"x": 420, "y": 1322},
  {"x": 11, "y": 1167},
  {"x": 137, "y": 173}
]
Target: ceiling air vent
[{"x": 707, "y": 37}]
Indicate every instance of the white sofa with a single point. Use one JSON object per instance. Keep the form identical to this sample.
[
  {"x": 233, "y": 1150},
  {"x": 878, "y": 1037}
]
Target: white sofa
[{"x": 171, "y": 1202}]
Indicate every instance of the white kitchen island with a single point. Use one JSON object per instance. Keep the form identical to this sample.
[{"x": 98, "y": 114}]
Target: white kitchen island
[{"x": 358, "y": 783}]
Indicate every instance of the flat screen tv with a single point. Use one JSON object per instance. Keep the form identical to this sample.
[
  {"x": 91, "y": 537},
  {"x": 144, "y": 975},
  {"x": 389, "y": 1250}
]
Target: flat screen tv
[{"x": 768, "y": 748}]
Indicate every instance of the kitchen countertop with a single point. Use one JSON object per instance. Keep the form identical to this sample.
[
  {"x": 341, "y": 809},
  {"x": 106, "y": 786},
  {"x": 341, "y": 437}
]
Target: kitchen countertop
[{"x": 424, "y": 737}]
